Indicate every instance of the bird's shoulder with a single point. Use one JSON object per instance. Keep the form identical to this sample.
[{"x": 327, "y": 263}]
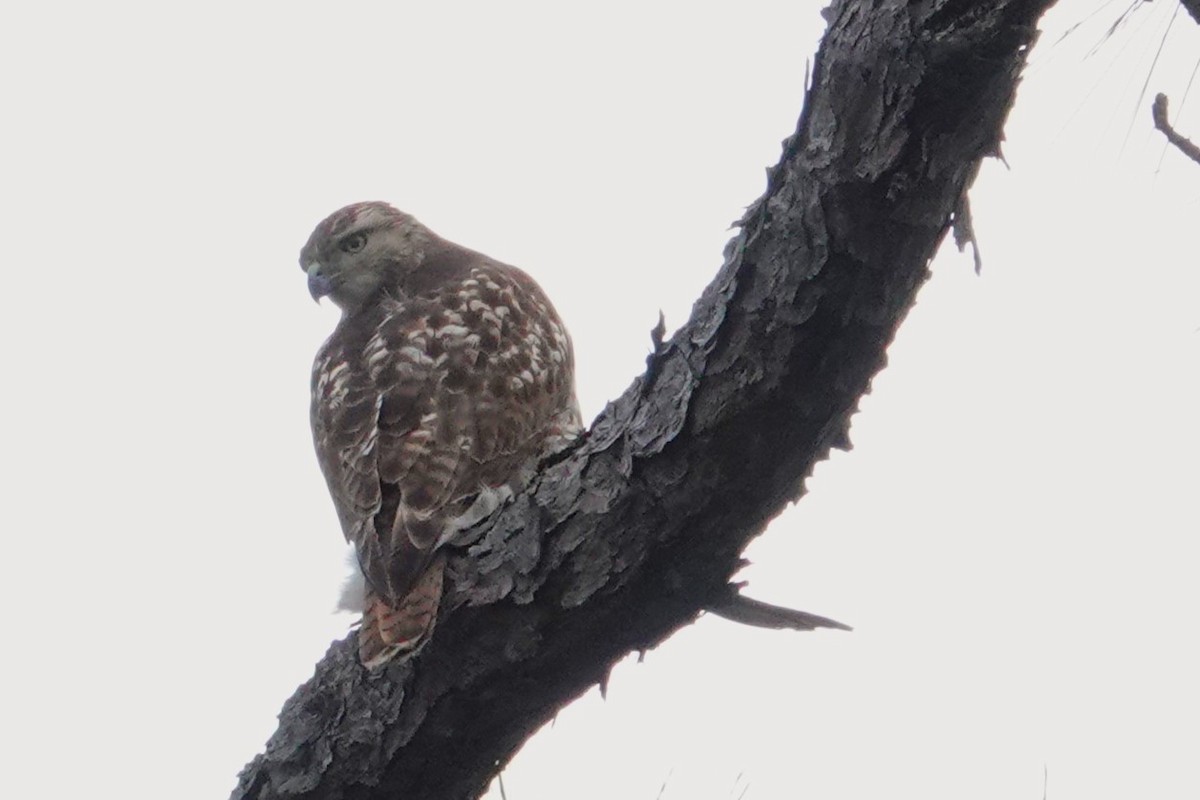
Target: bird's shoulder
[
  {"x": 460, "y": 316},
  {"x": 466, "y": 281}
]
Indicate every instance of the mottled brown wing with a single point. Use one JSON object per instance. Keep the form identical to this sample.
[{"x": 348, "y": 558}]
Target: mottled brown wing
[
  {"x": 368, "y": 386},
  {"x": 429, "y": 400}
]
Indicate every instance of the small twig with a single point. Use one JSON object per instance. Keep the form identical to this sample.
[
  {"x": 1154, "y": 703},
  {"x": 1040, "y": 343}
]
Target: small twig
[
  {"x": 1185, "y": 145},
  {"x": 657, "y": 333},
  {"x": 662, "y": 789},
  {"x": 962, "y": 225},
  {"x": 738, "y": 608},
  {"x": 746, "y": 788},
  {"x": 654, "y": 361}
]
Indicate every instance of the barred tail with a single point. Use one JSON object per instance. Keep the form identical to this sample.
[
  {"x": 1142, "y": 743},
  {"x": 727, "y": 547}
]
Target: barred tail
[{"x": 389, "y": 631}]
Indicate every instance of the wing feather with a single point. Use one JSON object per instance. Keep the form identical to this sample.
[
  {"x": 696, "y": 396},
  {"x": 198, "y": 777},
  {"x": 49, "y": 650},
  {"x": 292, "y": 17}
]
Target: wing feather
[{"x": 426, "y": 401}]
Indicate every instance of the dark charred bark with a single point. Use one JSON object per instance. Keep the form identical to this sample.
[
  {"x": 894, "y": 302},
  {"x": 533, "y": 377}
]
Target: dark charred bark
[
  {"x": 630, "y": 535},
  {"x": 1193, "y": 8}
]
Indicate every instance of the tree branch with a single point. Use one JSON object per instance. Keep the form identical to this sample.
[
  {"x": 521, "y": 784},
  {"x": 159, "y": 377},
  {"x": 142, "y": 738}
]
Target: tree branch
[
  {"x": 1185, "y": 145},
  {"x": 765, "y": 615},
  {"x": 629, "y": 536},
  {"x": 1193, "y": 8}
]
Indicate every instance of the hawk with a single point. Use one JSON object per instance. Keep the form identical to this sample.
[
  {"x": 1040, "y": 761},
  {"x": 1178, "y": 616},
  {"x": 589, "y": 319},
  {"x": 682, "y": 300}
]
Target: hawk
[{"x": 447, "y": 378}]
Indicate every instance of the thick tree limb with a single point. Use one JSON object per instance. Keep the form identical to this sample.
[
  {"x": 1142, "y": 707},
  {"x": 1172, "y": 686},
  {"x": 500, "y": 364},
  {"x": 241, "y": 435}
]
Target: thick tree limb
[{"x": 626, "y": 538}]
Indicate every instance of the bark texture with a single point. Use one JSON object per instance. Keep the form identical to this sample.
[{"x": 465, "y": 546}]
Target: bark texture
[
  {"x": 1193, "y": 8},
  {"x": 628, "y": 536}
]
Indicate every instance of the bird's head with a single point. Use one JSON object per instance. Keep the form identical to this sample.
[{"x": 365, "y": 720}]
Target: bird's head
[{"x": 361, "y": 249}]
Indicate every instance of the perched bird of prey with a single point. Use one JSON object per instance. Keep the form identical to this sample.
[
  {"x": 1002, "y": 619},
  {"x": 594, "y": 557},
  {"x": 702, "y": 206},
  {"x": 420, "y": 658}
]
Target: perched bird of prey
[{"x": 448, "y": 377}]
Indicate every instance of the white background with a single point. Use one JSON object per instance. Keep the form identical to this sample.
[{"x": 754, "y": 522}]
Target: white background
[{"x": 1013, "y": 538}]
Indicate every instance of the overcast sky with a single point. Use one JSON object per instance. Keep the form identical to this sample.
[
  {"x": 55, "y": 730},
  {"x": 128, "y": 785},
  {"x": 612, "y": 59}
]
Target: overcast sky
[{"x": 1014, "y": 536}]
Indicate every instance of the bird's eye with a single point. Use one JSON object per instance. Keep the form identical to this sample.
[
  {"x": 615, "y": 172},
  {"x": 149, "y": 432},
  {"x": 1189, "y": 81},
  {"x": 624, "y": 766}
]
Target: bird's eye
[{"x": 353, "y": 242}]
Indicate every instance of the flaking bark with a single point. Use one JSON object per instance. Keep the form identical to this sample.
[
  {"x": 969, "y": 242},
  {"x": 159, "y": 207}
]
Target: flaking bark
[
  {"x": 1193, "y": 8},
  {"x": 627, "y": 537}
]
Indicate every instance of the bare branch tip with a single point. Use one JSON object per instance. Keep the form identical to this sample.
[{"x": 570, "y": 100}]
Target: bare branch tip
[
  {"x": 747, "y": 611},
  {"x": 1158, "y": 112}
]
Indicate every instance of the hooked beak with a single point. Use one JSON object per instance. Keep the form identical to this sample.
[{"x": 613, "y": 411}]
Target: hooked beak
[{"x": 319, "y": 285}]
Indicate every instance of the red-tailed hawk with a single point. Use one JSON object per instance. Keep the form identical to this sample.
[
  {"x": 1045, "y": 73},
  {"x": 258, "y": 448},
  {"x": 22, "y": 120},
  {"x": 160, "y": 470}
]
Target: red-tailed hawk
[{"x": 447, "y": 378}]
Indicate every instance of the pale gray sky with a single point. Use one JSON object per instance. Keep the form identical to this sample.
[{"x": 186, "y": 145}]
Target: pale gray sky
[{"x": 1014, "y": 536}]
